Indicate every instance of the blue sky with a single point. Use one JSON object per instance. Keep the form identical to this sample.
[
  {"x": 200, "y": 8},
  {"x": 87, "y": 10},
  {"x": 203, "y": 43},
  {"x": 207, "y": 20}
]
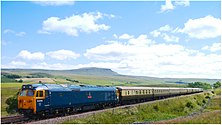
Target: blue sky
[{"x": 160, "y": 38}]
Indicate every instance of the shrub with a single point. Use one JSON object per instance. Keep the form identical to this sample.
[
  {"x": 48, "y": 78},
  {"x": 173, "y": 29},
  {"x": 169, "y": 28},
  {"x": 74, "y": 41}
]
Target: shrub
[
  {"x": 189, "y": 105},
  {"x": 156, "y": 107},
  {"x": 20, "y": 80},
  {"x": 12, "y": 103}
]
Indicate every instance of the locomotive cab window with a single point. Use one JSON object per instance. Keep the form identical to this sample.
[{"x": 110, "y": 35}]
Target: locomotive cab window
[
  {"x": 26, "y": 93},
  {"x": 30, "y": 93},
  {"x": 39, "y": 94}
]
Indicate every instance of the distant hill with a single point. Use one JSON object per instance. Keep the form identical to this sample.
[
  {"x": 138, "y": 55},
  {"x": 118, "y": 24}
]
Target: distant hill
[
  {"x": 100, "y": 76},
  {"x": 92, "y": 71},
  {"x": 82, "y": 71}
]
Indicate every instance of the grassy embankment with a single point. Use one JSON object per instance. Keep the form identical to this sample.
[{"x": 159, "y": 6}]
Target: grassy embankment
[
  {"x": 161, "y": 110},
  {"x": 8, "y": 90},
  {"x": 210, "y": 115}
]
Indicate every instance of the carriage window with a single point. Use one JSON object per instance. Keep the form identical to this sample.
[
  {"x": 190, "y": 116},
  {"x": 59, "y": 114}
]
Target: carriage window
[{"x": 128, "y": 92}]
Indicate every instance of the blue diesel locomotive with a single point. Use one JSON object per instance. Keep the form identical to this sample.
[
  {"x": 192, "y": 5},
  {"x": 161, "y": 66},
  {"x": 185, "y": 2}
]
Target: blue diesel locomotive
[{"x": 45, "y": 99}]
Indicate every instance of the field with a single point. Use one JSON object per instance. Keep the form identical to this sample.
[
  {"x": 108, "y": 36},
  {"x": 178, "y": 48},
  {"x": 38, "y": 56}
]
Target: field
[{"x": 161, "y": 110}]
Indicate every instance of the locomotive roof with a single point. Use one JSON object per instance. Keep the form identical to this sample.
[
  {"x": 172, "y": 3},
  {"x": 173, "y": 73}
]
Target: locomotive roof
[{"x": 68, "y": 87}]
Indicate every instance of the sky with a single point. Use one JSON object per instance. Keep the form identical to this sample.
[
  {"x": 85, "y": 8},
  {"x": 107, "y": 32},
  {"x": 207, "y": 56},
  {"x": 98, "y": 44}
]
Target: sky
[{"x": 174, "y": 39}]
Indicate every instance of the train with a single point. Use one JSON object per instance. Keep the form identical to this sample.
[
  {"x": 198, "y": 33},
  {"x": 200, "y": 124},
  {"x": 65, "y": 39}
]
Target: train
[{"x": 43, "y": 99}]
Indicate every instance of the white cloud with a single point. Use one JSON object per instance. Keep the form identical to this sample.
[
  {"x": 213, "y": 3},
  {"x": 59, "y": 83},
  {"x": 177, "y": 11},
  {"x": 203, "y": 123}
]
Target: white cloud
[
  {"x": 9, "y": 31},
  {"x": 63, "y": 54},
  {"x": 20, "y": 34},
  {"x": 43, "y": 32},
  {"x": 115, "y": 36},
  {"x": 215, "y": 47},
  {"x": 31, "y": 56},
  {"x": 203, "y": 28},
  {"x": 57, "y": 66},
  {"x": 126, "y": 36},
  {"x": 170, "y": 38},
  {"x": 168, "y": 6},
  {"x": 165, "y": 28},
  {"x": 155, "y": 33},
  {"x": 18, "y": 63},
  {"x": 182, "y": 2},
  {"x": 141, "y": 41},
  {"x": 54, "y": 3},
  {"x": 159, "y": 60},
  {"x": 74, "y": 24},
  {"x": 163, "y": 32}
]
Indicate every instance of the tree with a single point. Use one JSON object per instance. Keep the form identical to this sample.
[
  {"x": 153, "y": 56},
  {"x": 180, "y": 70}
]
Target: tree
[
  {"x": 199, "y": 85},
  {"x": 12, "y": 103},
  {"x": 20, "y": 80},
  {"x": 217, "y": 84}
]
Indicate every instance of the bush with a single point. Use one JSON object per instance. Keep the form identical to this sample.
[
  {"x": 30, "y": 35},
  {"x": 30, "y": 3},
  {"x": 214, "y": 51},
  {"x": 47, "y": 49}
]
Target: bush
[
  {"x": 12, "y": 103},
  {"x": 189, "y": 105},
  {"x": 204, "y": 101},
  {"x": 217, "y": 84},
  {"x": 156, "y": 107},
  {"x": 20, "y": 80}
]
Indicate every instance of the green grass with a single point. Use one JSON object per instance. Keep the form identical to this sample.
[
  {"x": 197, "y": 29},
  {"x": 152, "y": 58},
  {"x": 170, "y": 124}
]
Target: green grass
[
  {"x": 211, "y": 115},
  {"x": 162, "y": 110},
  {"x": 217, "y": 91}
]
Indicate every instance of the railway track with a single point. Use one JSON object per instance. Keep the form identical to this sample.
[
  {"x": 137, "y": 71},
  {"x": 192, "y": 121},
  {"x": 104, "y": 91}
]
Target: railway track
[{"x": 13, "y": 119}]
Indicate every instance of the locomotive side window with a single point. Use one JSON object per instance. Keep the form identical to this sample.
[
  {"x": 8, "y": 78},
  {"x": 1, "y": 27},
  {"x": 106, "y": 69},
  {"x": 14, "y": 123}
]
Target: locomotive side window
[
  {"x": 40, "y": 93},
  {"x": 46, "y": 93}
]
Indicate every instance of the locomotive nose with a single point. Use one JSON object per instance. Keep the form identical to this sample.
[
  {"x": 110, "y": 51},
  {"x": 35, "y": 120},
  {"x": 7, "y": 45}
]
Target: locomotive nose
[{"x": 25, "y": 103}]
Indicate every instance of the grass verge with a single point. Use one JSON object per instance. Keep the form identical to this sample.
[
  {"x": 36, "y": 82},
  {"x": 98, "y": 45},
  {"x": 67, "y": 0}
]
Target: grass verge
[
  {"x": 210, "y": 115},
  {"x": 160, "y": 110}
]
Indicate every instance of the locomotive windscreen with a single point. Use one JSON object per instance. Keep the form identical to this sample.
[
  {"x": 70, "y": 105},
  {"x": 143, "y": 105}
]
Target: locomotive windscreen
[{"x": 27, "y": 90}]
